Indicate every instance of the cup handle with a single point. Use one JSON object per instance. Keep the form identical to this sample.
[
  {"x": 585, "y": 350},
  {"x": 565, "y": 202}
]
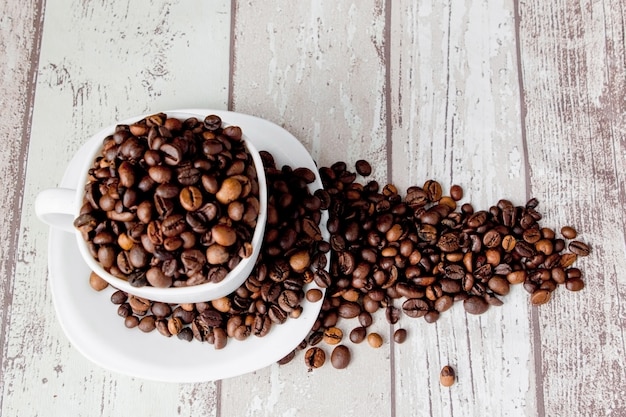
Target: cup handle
[{"x": 55, "y": 207}]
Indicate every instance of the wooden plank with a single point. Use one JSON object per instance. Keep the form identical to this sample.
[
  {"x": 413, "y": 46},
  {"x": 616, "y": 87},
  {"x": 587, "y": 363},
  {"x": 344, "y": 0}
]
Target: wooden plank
[
  {"x": 19, "y": 40},
  {"x": 456, "y": 118},
  {"x": 99, "y": 62},
  {"x": 574, "y": 78},
  {"x": 318, "y": 70}
]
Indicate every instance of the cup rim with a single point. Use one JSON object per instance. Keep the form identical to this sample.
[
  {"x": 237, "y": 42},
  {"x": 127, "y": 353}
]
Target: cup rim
[{"x": 187, "y": 294}]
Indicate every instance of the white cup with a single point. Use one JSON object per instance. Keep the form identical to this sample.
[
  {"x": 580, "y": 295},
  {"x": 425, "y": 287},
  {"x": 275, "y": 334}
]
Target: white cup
[{"x": 58, "y": 207}]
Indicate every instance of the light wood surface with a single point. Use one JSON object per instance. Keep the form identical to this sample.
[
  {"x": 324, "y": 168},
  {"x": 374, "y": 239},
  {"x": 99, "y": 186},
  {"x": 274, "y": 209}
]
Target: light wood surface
[{"x": 507, "y": 99}]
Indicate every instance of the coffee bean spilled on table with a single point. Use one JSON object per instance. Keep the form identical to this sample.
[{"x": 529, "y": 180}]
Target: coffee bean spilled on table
[{"x": 414, "y": 254}]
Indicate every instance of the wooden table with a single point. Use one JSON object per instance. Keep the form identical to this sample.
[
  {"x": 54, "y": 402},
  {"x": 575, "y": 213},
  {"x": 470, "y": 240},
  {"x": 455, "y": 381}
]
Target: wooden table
[{"x": 509, "y": 99}]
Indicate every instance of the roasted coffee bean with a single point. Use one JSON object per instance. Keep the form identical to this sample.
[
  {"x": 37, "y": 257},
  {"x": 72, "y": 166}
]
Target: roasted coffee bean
[
  {"x": 540, "y": 296},
  {"x": 363, "y": 168},
  {"x": 569, "y": 232},
  {"x": 119, "y": 297},
  {"x": 314, "y": 295},
  {"x": 456, "y": 192},
  {"x": 579, "y": 248},
  {"x": 124, "y": 310},
  {"x": 415, "y": 307},
  {"x": 443, "y": 303},
  {"x": 131, "y": 321},
  {"x": 382, "y": 248},
  {"x": 156, "y": 180},
  {"x": 185, "y": 334},
  {"x": 357, "y": 335},
  {"x": 96, "y": 282},
  {"x": 399, "y": 336},
  {"x": 349, "y": 309},
  {"x": 567, "y": 259},
  {"x": 160, "y": 310},
  {"x": 288, "y": 301},
  {"x": 190, "y": 198},
  {"x": 322, "y": 278},
  {"x": 374, "y": 340},
  {"x": 392, "y": 314},
  {"x": 340, "y": 357},
  {"x": 314, "y": 358},
  {"x": 475, "y": 305},
  {"x": 147, "y": 324},
  {"x": 498, "y": 285},
  {"x": 157, "y": 278},
  {"x": 333, "y": 335},
  {"x": 447, "y": 376},
  {"x": 574, "y": 284},
  {"x": 138, "y": 305},
  {"x": 221, "y": 338}
]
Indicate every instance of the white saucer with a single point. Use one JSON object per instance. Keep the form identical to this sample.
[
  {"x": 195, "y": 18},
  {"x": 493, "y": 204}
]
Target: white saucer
[{"x": 92, "y": 325}]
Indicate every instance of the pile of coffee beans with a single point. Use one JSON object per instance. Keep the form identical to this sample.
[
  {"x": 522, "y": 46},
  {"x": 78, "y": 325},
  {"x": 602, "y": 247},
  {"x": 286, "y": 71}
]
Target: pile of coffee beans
[
  {"x": 171, "y": 202},
  {"x": 414, "y": 255},
  {"x": 292, "y": 250},
  {"x": 419, "y": 254}
]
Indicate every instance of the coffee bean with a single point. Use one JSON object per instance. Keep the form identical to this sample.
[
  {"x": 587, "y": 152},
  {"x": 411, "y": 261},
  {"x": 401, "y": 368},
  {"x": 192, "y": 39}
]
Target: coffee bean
[
  {"x": 156, "y": 180},
  {"x": 443, "y": 303},
  {"x": 96, "y": 282},
  {"x": 333, "y": 335},
  {"x": 314, "y": 358},
  {"x": 340, "y": 357},
  {"x": 540, "y": 296},
  {"x": 131, "y": 321},
  {"x": 447, "y": 376},
  {"x": 567, "y": 259},
  {"x": 399, "y": 336},
  {"x": 579, "y": 248},
  {"x": 418, "y": 248},
  {"x": 498, "y": 285},
  {"x": 147, "y": 324},
  {"x": 190, "y": 198},
  {"x": 220, "y": 338},
  {"x": 475, "y": 305},
  {"x": 569, "y": 232},
  {"x": 349, "y": 309},
  {"x": 363, "y": 168},
  {"x": 157, "y": 278},
  {"x": 392, "y": 314},
  {"x": 118, "y": 297},
  {"x": 574, "y": 284},
  {"x": 374, "y": 340},
  {"x": 185, "y": 334},
  {"x": 357, "y": 335},
  {"x": 314, "y": 295},
  {"x": 456, "y": 192}
]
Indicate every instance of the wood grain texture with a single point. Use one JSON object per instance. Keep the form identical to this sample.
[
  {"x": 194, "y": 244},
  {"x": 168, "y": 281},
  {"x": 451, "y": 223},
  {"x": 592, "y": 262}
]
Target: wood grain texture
[
  {"x": 19, "y": 43},
  {"x": 574, "y": 78},
  {"x": 506, "y": 98},
  {"x": 99, "y": 62},
  {"x": 318, "y": 70},
  {"x": 455, "y": 111}
]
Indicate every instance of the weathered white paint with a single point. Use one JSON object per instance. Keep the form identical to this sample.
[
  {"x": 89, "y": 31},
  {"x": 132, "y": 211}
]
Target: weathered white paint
[
  {"x": 101, "y": 62},
  {"x": 426, "y": 90},
  {"x": 574, "y": 79},
  {"x": 19, "y": 42},
  {"x": 455, "y": 107},
  {"x": 318, "y": 70}
]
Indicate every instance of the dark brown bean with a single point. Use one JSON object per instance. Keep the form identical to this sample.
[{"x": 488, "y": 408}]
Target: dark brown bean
[{"x": 340, "y": 357}]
